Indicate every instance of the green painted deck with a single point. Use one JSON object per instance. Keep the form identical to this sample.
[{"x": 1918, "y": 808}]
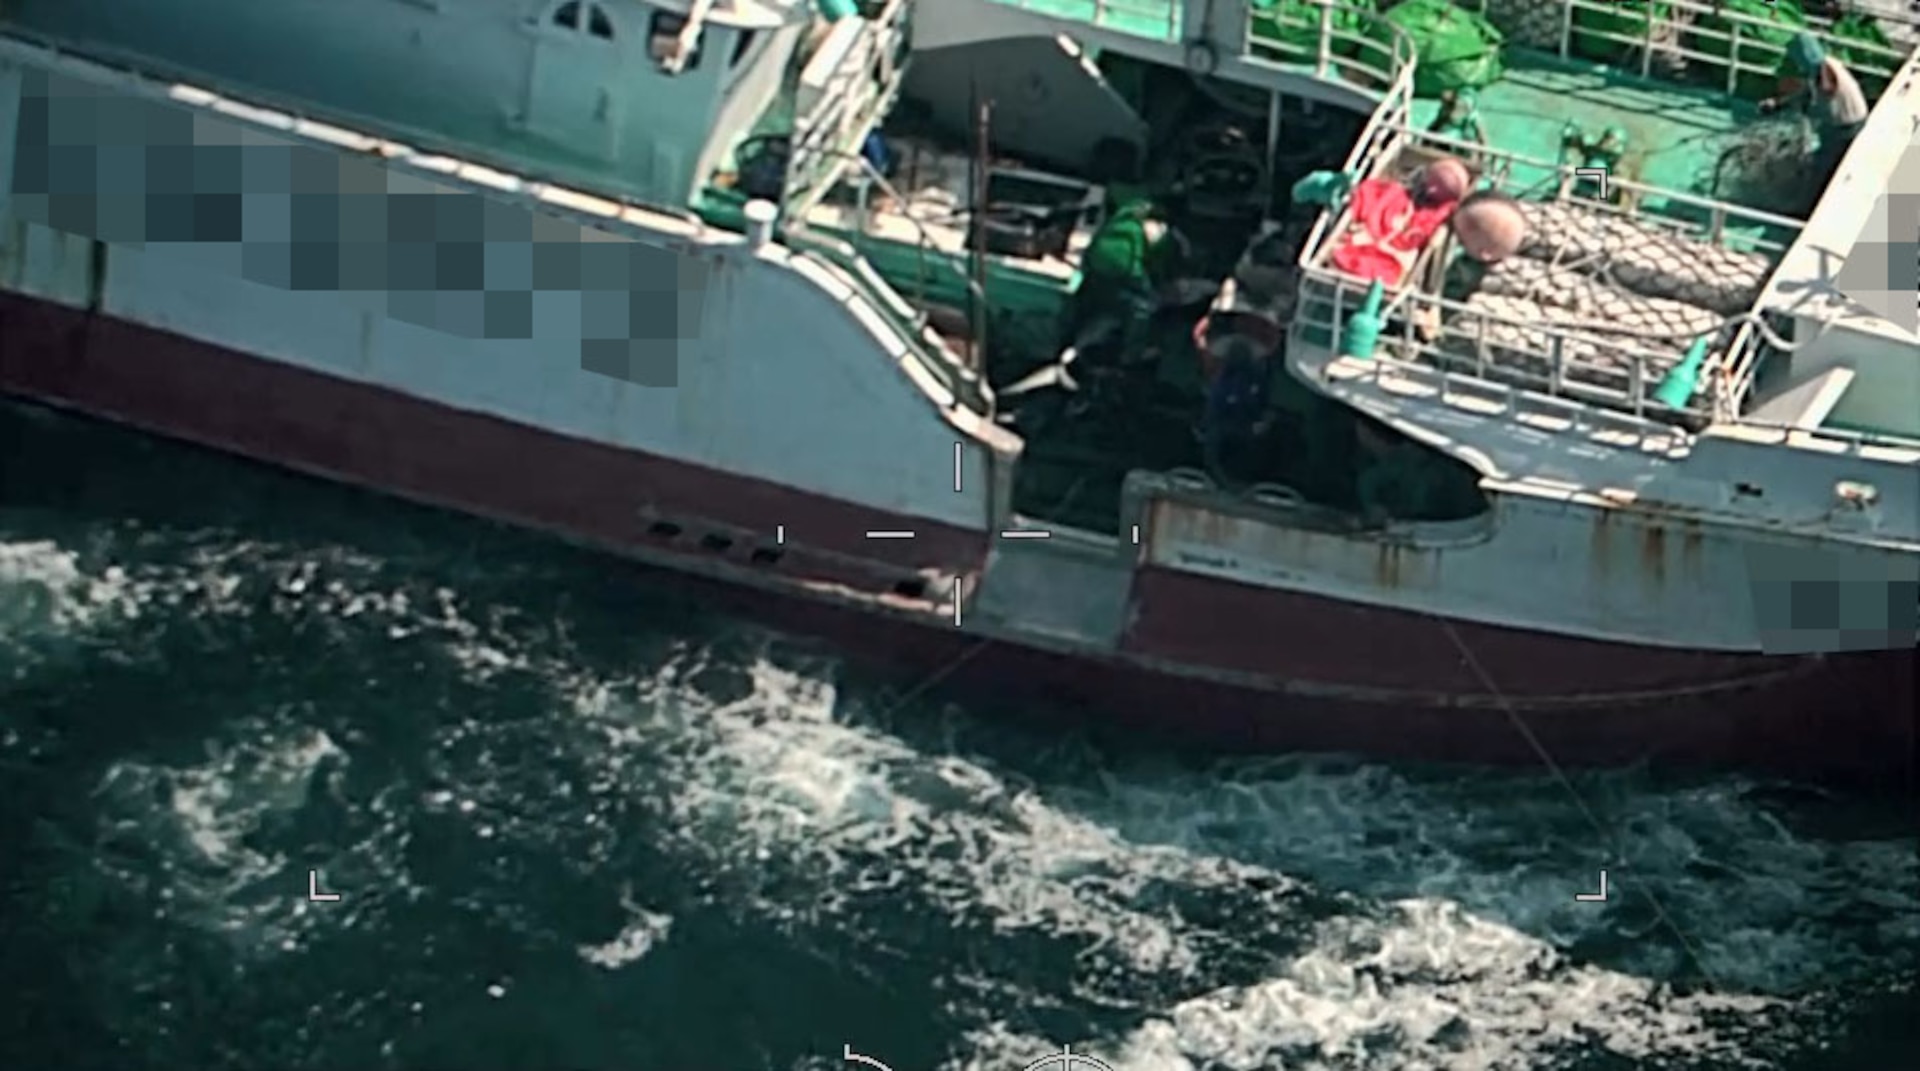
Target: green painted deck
[
  {"x": 1157, "y": 20},
  {"x": 1676, "y": 134}
]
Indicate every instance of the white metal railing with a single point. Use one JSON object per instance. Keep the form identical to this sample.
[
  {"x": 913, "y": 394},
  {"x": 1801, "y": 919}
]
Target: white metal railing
[
  {"x": 1336, "y": 40},
  {"x": 1459, "y": 348},
  {"x": 1718, "y": 223},
  {"x": 1145, "y": 18},
  {"x": 925, "y": 345},
  {"x": 1506, "y": 358},
  {"x": 1558, "y": 361},
  {"x": 1450, "y": 348},
  {"x": 1673, "y": 29},
  {"x": 845, "y": 90},
  {"x": 930, "y": 251},
  {"x": 1380, "y": 142},
  {"x": 1738, "y": 366},
  {"x": 1386, "y": 130}
]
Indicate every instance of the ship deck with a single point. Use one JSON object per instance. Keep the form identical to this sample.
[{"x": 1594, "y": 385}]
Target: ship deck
[{"x": 1676, "y": 134}]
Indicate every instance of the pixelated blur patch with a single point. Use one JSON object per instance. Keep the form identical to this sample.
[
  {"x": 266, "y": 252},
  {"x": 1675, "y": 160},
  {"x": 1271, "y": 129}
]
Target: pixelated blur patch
[
  {"x": 1882, "y": 272},
  {"x": 136, "y": 173},
  {"x": 1809, "y": 601}
]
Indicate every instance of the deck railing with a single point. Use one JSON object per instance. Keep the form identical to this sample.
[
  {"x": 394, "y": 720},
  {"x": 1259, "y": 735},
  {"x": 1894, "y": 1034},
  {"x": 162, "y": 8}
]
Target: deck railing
[
  {"x": 845, "y": 91},
  {"x": 1718, "y": 223},
  {"x": 923, "y": 344},
  {"x": 1337, "y": 41},
  {"x": 1380, "y": 142},
  {"x": 1459, "y": 349},
  {"x": 1159, "y": 19},
  {"x": 1671, "y": 32},
  {"x": 1472, "y": 345},
  {"x": 1409, "y": 365}
]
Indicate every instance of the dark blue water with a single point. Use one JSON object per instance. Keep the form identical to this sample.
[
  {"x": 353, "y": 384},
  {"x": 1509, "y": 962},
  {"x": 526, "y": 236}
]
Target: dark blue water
[{"x": 575, "y": 822}]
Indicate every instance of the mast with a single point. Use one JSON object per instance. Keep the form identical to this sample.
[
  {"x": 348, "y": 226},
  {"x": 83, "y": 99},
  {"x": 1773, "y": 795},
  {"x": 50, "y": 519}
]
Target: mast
[{"x": 977, "y": 293}]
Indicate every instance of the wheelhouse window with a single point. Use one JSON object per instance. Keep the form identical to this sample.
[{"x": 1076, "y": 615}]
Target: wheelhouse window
[
  {"x": 742, "y": 44},
  {"x": 577, "y": 16}
]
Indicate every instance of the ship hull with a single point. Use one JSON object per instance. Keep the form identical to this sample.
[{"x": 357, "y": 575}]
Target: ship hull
[{"x": 1841, "y": 718}]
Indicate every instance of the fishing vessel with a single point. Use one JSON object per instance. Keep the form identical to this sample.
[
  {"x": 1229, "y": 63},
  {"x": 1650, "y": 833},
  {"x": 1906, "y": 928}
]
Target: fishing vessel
[{"x": 1479, "y": 382}]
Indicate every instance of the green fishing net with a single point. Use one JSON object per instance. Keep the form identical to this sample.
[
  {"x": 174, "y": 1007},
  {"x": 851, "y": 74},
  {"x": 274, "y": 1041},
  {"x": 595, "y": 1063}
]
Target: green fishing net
[
  {"x": 1456, "y": 48},
  {"x": 1294, "y": 25}
]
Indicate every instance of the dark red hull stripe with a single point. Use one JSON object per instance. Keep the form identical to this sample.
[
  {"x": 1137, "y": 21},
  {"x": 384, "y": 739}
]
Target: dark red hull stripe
[{"x": 1295, "y": 672}]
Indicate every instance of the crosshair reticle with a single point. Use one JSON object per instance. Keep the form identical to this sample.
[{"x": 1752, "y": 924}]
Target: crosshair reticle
[{"x": 1067, "y": 1060}]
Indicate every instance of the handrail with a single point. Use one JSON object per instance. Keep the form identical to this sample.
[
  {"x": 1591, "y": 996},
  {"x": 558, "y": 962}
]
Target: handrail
[
  {"x": 1855, "y": 442},
  {"x": 921, "y": 341},
  {"x": 926, "y": 243},
  {"x": 853, "y": 98},
  {"x": 1473, "y": 374},
  {"x": 1461, "y": 349},
  {"x": 1739, "y": 368},
  {"x": 1322, "y": 41},
  {"x": 1723, "y": 217},
  {"x": 1665, "y": 33},
  {"x": 1114, "y": 15}
]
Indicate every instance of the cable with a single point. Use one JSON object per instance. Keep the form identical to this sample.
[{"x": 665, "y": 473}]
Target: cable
[
  {"x": 938, "y": 675},
  {"x": 1580, "y": 804}
]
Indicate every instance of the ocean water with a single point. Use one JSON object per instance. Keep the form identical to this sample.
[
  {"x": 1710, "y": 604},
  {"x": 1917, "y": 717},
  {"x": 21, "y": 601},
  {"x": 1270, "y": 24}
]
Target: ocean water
[{"x": 573, "y": 821}]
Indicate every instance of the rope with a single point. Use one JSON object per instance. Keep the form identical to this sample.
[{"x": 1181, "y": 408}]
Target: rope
[
  {"x": 949, "y": 669},
  {"x": 1546, "y": 758}
]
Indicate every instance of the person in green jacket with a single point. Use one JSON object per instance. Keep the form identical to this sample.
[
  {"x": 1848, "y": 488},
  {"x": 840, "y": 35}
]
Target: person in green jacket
[{"x": 1120, "y": 274}]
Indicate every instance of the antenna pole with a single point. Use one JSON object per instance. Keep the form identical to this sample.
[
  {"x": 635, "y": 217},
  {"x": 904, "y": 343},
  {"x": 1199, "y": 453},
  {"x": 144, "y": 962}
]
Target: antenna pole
[{"x": 977, "y": 295}]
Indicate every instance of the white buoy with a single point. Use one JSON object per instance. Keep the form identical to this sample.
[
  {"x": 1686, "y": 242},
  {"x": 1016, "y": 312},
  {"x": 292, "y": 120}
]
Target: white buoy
[{"x": 1490, "y": 226}]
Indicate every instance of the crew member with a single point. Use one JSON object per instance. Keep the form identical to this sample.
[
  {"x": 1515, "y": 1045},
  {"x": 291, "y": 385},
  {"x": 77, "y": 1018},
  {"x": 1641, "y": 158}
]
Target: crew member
[
  {"x": 1236, "y": 414},
  {"x": 1827, "y": 92},
  {"x": 1119, "y": 273}
]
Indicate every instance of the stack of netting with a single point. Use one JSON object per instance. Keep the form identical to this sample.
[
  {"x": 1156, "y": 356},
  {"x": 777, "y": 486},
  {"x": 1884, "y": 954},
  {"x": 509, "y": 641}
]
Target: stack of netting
[{"x": 1613, "y": 289}]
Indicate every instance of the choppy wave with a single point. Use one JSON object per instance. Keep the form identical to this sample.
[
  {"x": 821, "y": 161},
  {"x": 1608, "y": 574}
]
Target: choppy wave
[{"x": 603, "y": 792}]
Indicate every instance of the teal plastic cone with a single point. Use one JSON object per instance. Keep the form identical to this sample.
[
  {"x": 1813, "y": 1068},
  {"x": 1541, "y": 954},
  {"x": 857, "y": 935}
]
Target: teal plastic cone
[
  {"x": 1362, "y": 335},
  {"x": 1677, "y": 386}
]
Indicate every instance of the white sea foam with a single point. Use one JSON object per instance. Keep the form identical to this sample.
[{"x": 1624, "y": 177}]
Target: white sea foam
[
  {"x": 197, "y": 854},
  {"x": 44, "y": 591},
  {"x": 1454, "y": 945},
  {"x": 1448, "y": 967},
  {"x": 643, "y": 931}
]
